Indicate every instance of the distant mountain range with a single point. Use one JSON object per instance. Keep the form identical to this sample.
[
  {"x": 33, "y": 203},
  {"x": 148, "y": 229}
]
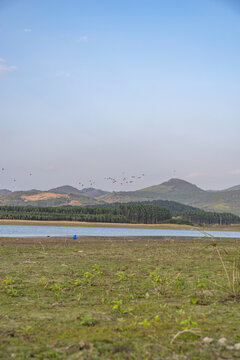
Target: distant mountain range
[{"x": 181, "y": 191}]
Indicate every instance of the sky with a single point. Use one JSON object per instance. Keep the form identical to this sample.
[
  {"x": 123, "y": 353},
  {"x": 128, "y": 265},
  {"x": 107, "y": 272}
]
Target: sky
[{"x": 95, "y": 89}]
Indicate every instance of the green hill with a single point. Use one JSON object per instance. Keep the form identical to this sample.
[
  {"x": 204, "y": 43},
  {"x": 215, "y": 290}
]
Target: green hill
[
  {"x": 65, "y": 189},
  {"x": 89, "y": 192},
  {"x": 93, "y": 193},
  {"x": 183, "y": 192}
]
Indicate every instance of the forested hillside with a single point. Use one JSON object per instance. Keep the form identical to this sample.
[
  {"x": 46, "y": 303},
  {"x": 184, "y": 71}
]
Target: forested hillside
[{"x": 124, "y": 213}]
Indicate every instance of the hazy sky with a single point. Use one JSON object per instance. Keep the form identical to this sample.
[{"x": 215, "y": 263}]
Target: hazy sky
[{"x": 97, "y": 88}]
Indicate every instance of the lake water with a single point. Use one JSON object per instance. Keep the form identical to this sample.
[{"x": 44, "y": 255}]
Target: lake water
[{"x": 32, "y": 231}]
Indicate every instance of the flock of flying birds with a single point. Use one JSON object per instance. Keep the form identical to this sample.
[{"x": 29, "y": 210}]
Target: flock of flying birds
[{"x": 123, "y": 180}]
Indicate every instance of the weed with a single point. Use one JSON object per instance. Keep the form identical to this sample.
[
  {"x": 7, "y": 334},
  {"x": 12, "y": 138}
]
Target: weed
[
  {"x": 95, "y": 272},
  {"x": 145, "y": 323},
  {"x": 79, "y": 297},
  {"x": 232, "y": 285},
  {"x": 201, "y": 284},
  {"x": 11, "y": 291},
  {"x": 43, "y": 281},
  {"x": 86, "y": 320},
  {"x": 8, "y": 281},
  {"x": 118, "y": 306},
  {"x": 188, "y": 323},
  {"x": 78, "y": 282},
  {"x": 179, "y": 283},
  {"x": 25, "y": 329},
  {"x": 123, "y": 276},
  {"x": 194, "y": 300}
]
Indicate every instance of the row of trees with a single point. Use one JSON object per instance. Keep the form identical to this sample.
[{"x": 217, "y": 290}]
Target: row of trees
[
  {"x": 207, "y": 217},
  {"x": 145, "y": 213}
]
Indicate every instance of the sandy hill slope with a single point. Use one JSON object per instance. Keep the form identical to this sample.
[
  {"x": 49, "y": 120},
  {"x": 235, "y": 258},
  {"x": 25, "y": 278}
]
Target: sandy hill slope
[{"x": 45, "y": 198}]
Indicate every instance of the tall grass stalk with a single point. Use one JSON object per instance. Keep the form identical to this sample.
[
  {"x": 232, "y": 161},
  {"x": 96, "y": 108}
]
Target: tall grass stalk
[{"x": 232, "y": 276}]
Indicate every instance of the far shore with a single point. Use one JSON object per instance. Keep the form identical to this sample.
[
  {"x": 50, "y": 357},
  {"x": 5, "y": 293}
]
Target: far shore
[{"x": 235, "y": 227}]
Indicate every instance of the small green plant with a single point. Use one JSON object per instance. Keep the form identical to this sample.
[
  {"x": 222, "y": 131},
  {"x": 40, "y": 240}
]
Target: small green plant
[
  {"x": 11, "y": 291},
  {"x": 163, "y": 306},
  {"x": 194, "y": 300},
  {"x": 123, "y": 276},
  {"x": 25, "y": 329},
  {"x": 201, "y": 284},
  {"x": 147, "y": 296},
  {"x": 88, "y": 275},
  {"x": 77, "y": 282},
  {"x": 55, "y": 287},
  {"x": 155, "y": 277},
  {"x": 79, "y": 297},
  {"x": 95, "y": 272},
  {"x": 118, "y": 306},
  {"x": 145, "y": 323},
  {"x": 181, "y": 312},
  {"x": 43, "y": 281},
  {"x": 122, "y": 324},
  {"x": 86, "y": 320},
  {"x": 188, "y": 323},
  {"x": 7, "y": 281},
  {"x": 161, "y": 284},
  {"x": 7, "y": 285},
  {"x": 179, "y": 283}
]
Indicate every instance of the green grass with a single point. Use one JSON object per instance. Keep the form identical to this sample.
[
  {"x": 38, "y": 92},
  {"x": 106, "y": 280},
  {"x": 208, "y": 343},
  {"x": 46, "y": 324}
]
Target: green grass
[{"x": 118, "y": 299}]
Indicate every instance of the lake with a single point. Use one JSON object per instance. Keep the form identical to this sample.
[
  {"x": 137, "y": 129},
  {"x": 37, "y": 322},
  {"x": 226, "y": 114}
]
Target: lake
[{"x": 42, "y": 231}]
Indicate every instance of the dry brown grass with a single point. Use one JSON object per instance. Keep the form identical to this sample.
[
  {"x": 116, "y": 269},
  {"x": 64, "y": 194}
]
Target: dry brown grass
[
  {"x": 43, "y": 196},
  {"x": 96, "y": 224}
]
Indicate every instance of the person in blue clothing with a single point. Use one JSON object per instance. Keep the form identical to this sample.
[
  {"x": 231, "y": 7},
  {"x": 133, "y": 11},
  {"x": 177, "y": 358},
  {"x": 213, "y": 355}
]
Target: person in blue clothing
[{"x": 74, "y": 237}]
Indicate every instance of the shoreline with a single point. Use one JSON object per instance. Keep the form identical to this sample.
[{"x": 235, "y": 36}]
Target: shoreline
[{"x": 235, "y": 227}]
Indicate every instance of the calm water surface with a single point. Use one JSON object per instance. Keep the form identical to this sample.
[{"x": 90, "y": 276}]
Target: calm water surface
[{"x": 27, "y": 230}]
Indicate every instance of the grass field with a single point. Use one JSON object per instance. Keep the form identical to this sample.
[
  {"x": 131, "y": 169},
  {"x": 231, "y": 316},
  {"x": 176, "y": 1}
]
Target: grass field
[{"x": 103, "y": 298}]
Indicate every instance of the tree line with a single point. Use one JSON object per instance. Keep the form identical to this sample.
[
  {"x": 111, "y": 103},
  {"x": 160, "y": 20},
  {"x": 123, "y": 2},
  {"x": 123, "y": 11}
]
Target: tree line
[
  {"x": 147, "y": 214},
  {"x": 144, "y": 213},
  {"x": 207, "y": 217}
]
